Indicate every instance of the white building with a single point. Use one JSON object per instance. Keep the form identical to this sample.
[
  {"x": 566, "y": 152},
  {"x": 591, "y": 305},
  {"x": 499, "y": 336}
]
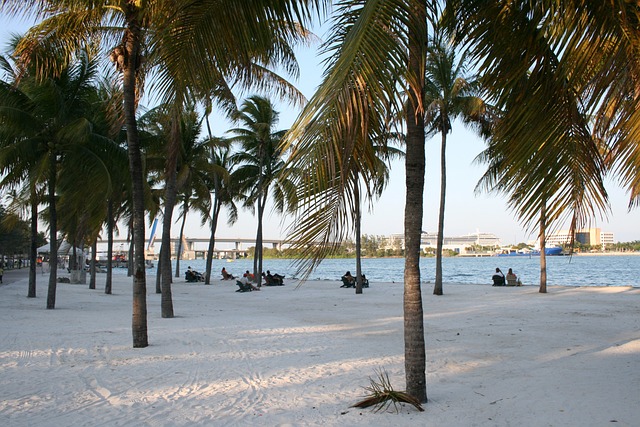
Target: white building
[
  {"x": 586, "y": 236},
  {"x": 458, "y": 244}
]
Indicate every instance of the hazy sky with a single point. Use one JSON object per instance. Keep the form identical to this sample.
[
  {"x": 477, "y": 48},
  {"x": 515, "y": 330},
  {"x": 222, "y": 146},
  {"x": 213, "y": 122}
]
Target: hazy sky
[{"x": 466, "y": 212}]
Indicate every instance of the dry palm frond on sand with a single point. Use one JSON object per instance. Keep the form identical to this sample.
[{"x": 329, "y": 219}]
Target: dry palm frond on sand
[{"x": 382, "y": 395}]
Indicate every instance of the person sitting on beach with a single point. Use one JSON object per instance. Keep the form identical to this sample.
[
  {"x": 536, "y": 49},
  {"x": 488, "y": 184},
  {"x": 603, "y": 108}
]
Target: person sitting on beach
[
  {"x": 272, "y": 279},
  {"x": 193, "y": 276},
  {"x": 250, "y": 276},
  {"x": 498, "y": 278},
  {"x": 225, "y": 275},
  {"x": 512, "y": 279},
  {"x": 245, "y": 281},
  {"x": 365, "y": 281},
  {"x": 348, "y": 281}
]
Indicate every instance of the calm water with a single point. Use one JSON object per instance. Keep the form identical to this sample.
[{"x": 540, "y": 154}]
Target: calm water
[{"x": 584, "y": 270}]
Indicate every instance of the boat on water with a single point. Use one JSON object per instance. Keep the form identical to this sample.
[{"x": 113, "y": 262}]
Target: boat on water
[{"x": 551, "y": 251}]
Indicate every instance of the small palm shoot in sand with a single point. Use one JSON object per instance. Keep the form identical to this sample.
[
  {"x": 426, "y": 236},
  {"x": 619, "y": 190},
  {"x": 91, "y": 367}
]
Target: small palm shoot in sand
[{"x": 381, "y": 395}]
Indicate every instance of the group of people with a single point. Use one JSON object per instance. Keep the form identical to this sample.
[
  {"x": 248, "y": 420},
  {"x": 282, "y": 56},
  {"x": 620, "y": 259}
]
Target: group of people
[
  {"x": 511, "y": 279},
  {"x": 348, "y": 281},
  {"x": 245, "y": 283}
]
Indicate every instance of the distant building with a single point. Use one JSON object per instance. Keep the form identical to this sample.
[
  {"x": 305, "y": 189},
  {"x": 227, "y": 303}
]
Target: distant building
[
  {"x": 586, "y": 236},
  {"x": 458, "y": 244}
]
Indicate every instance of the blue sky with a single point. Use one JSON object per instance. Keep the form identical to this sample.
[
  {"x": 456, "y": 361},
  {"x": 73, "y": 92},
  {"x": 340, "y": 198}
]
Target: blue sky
[{"x": 466, "y": 212}]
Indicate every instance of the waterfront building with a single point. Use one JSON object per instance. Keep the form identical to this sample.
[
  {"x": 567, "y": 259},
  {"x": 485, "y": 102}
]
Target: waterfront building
[
  {"x": 585, "y": 236},
  {"x": 459, "y": 244}
]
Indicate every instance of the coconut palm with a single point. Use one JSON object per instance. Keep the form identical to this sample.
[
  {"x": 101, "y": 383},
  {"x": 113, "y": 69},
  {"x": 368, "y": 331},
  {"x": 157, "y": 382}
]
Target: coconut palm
[
  {"x": 544, "y": 153},
  {"x": 260, "y": 161},
  {"x": 570, "y": 97},
  {"x": 194, "y": 171},
  {"x": 376, "y": 53},
  {"x": 450, "y": 93},
  {"x": 222, "y": 193}
]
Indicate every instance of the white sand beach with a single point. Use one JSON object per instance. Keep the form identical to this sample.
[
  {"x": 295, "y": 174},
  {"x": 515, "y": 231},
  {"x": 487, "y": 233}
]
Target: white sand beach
[{"x": 288, "y": 356}]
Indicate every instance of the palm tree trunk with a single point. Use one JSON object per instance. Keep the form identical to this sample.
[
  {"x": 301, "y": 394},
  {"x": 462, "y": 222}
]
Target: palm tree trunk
[
  {"x": 109, "y": 280},
  {"x": 212, "y": 240},
  {"x": 92, "y": 264},
  {"x": 257, "y": 260},
  {"x": 437, "y": 288},
  {"x": 53, "y": 232},
  {"x": 414, "y": 342},
  {"x": 184, "y": 220},
  {"x": 33, "y": 251},
  {"x": 543, "y": 256},
  {"x": 358, "y": 224},
  {"x": 159, "y": 273},
  {"x": 170, "y": 196},
  {"x": 132, "y": 42}
]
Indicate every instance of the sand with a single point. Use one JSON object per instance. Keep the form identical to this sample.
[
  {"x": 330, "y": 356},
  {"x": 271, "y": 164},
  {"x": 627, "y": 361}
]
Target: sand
[{"x": 288, "y": 356}]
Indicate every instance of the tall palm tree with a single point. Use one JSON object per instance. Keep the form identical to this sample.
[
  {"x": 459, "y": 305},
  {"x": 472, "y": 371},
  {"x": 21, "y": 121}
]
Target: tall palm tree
[
  {"x": 377, "y": 52},
  {"x": 544, "y": 153},
  {"x": 222, "y": 193},
  {"x": 450, "y": 93},
  {"x": 260, "y": 161},
  {"x": 574, "y": 61},
  {"x": 194, "y": 172}
]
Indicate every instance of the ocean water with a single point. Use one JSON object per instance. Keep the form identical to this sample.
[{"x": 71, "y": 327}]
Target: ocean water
[{"x": 582, "y": 270}]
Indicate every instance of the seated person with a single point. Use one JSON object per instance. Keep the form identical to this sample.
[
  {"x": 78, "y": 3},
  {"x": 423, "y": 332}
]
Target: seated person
[
  {"x": 250, "y": 276},
  {"x": 512, "y": 279},
  {"x": 498, "y": 278},
  {"x": 348, "y": 281},
  {"x": 365, "y": 281},
  {"x": 245, "y": 285},
  {"x": 192, "y": 276},
  {"x": 225, "y": 275},
  {"x": 277, "y": 278},
  {"x": 272, "y": 279}
]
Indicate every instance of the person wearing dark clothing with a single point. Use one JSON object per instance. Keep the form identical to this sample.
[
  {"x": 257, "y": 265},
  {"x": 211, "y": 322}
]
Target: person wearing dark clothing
[{"x": 498, "y": 278}]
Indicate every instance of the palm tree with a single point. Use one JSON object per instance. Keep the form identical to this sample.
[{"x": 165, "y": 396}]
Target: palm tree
[
  {"x": 574, "y": 61},
  {"x": 222, "y": 193},
  {"x": 543, "y": 152},
  {"x": 48, "y": 131},
  {"x": 260, "y": 161},
  {"x": 449, "y": 94},
  {"x": 377, "y": 53},
  {"x": 194, "y": 172}
]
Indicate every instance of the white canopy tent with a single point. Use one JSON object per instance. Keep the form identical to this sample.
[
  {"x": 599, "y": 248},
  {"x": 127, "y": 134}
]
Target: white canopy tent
[
  {"x": 65, "y": 249},
  {"x": 78, "y": 275}
]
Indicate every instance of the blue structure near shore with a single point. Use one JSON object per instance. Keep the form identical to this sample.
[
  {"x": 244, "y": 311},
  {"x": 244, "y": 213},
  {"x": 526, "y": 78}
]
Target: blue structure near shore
[{"x": 552, "y": 251}]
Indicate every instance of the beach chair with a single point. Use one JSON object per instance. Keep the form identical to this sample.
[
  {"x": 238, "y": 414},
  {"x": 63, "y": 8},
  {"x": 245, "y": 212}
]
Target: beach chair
[
  {"x": 243, "y": 287},
  {"x": 498, "y": 280},
  {"x": 512, "y": 282}
]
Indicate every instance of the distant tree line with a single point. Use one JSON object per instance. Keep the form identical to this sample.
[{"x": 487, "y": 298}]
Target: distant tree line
[{"x": 14, "y": 235}]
